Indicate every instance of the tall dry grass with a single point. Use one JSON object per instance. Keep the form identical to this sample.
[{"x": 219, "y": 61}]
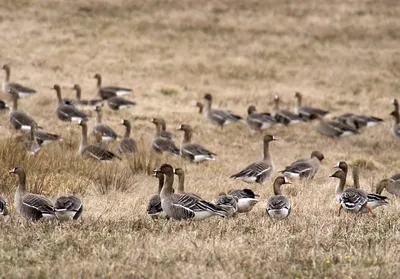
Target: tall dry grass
[{"x": 342, "y": 55}]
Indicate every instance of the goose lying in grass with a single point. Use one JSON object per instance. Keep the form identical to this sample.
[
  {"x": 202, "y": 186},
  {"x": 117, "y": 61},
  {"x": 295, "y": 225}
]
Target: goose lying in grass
[
  {"x": 335, "y": 129},
  {"x": 284, "y": 116},
  {"x": 220, "y": 118},
  {"x": 66, "y": 112},
  {"x": 21, "y": 90},
  {"x": 392, "y": 185},
  {"x": 30, "y": 206},
  {"x": 357, "y": 121},
  {"x": 259, "y": 121},
  {"x": 106, "y": 132},
  {"x": 161, "y": 144},
  {"x": 19, "y": 119},
  {"x": 184, "y": 207},
  {"x": 228, "y": 202},
  {"x": 107, "y": 92},
  {"x": 306, "y": 112},
  {"x": 127, "y": 145},
  {"x": 68, "y": 208},
  {"x": 154, "y": 209},
  {"x": 246, "y": 199},
  {"x": 278, "y": 206}
]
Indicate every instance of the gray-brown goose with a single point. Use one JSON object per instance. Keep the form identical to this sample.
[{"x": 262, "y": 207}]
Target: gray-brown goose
[
  {"x": 93, "y": 151},
  {"x": 228, "y": 202},
  {"x": 66, "y": 112},
  {"x": 19, "y": 119},
  {"x": 304, "y": 168},
  {"x": 260, "y": 171},
  {"x": 68, "y": 208},
  {"x": 306, "y": 112},
  {"x": 350, "y": 199},
  {"x": 21, "y": 90},
  {"x": 154, "y": 209},
  {"x": 116, "y": 103},
  {"x": 184, "y": 207},
  {"x": 192, "y": 151},
  {"x": 92, "y": 102},
  {"x": 392, "y": 185},
  {"x": 246, "y": 199},
  {"x": 106, "y": 132},
  {"x": 110, "y": 91},
  {"x": 284, "y": 116},
  {"x": 395, "y": 124},
  {"x": 127, "y": 145},
  {"x": 259, "y": 121},
  {"x": 30, "y": 206},
  {"x": 335, "y": 129},
  {"x": 161, "y": 144},
  {"x": 358, "y": 121},
  {"x": 218, "y": 117},
  {"x": 3, "y": 206},
  {"x": 278, "y": 206}
]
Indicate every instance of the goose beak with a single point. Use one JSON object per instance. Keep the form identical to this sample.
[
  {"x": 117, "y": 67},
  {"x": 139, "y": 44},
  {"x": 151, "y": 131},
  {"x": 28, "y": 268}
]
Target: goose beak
[
  {"x": 11, "y": 171},
  {"x": 274, "y": 138},
  {"x": 179, "y": 128},
  {"x": 287, "y": 181},
  {"x": 336, "y": 166}
]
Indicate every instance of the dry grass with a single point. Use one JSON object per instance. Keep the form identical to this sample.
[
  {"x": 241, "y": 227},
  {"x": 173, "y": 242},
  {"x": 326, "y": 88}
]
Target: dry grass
[{"x": 342, "y": 55}]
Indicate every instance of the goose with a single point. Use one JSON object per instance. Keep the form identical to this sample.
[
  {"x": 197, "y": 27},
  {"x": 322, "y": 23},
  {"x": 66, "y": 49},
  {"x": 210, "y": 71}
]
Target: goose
[
  {"x": 181, "y": 186},
  {"x": 192, "y": 151},
  {"x": 284, "y": 116},
  {"x": 218, "y": 117},
  {"x": 19, "y": 119},
  {"x": 164, "y": 133},
  {"x": 127, "y": 145},
  {"x": 396, "y": 124},
  {"x": 93, "y": 151},
  {"x": 352, "y": 199},
  {"x": 392, "y": 185},
  {"x": 21, "y": 90},
  {"x": 259, "y": 121},
  {"x": 160, "y": 144},
  {"x": 44, "y": 138},
  {"x": 92, "y": 102},
  {"x": 116, "y": 103},
  {"x": 357, "y": 121},
  {"x": 68, "y": 208},
  {"x": 183, "y": 206},
  {"x": 278, "y": 206},
  {"x": 30, "y": 206},
  {"x": 260, "y": 171},
  {"x": 306, "y": 112},
  {"x": 374, "y": 200},
  {"x": 3, "y": 106},
  {"x": 106, "y": 132},
  {"x": 228, "y": 202},
  {"x": 66, "y": 112},
  {"x": 334, "y": 129},
  {"x": 246, "y": 199},
  {"x": 3, "y": 206},
  {"x": 110, "y": 91},
  {"x": 154, "y": 209},
  {"x": 304, "y": 168}
]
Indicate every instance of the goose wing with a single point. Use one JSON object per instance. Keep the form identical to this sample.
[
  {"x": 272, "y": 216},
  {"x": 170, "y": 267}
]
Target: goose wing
[
  {"x": 40, "y": 203},
  {"x": 71, "y": 112},
  {"x": 99, "y": 153},
  {"x": 278, "y": 202},
  {"x": 352, "y": 198},
  {"x": 19, "y": 118},
  {"x": 70, "y": 203},
  {"x": 105, "y": 130},
  {"x": 42, "y": 136},
  {"x": 254, "y": 170},
  {"x": 161, "y": 145},
  {"x": 303, "y": 168},
  {"x": 21, "y": 89},
  {"x": 196, "y": 149},
  {"x": 308, "y": 112},
  {"x": 128, "y": 146},
  {"x": 154, "y": 205}
]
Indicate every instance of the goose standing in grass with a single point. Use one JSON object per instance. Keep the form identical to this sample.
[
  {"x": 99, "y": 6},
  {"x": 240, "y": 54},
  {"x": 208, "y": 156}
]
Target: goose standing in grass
[
  {"x": 357, "y": 121},
  {"x": 92, "y": 102},
  {"x": 93, "y": 151},
  {"x": 334, "y": 129},
  {"x": 127, "y": 145},
  {"x": 228, "y": 202},
  {"x": 181, "y": 183},
  {"x": 106, "y": 132},
  {"x": 306, "y": 112},
  {"x": 110, "y": 91},
  {"x": 154, "y": 209},
  {"x": 21, "y": 90},
  {"x": 396, "y": 124},
  {"x": 351, "y": 199},
  {"x": 218, "y": 117},
  {"x": 161, "y": 144},
  {"x": 278, "y": 206},
  {"x": 284, "y": 116},
  {"x": 184, "y": 207},
  {"x": 3, "y": 206},
  {"x": 116, "y": 103},
  {"x": 68, "y": 208},
  {"x": 260, "y": 171},
  {"x": 304, "y": 168},
  {"x": 259, "y": 121},
  {"x": 30, "y": 206},
  {"x": 19, "y": 119},
  {"x": 3, "y": 106},
  {"x": 193, "y": 151},
  {"x": 66, "y": 112},
  {"x": 246, "y": 199},
  {"x": 392, "y": 185}
]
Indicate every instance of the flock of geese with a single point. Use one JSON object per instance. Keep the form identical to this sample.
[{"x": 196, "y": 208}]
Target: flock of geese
[{"x": 176, "y": 203}]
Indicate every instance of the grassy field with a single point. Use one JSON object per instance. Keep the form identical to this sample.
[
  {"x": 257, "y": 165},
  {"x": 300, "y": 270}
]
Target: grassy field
[{"x": 342, "y": 55}]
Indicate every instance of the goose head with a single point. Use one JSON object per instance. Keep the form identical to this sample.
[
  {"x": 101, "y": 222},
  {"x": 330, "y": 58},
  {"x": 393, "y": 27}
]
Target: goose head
[
  {"x": 17, "y": 170},
  {"x": 208, "y": 97},
  {"x": 338, "y": 174},
  {"x": 185, "y": 128},
  {"x": 341, "y": 165},
  {"x": 179, "y": 172},
  {"x": 251, "y": 109},
  {"x": 269, "y": 138},
  {"x": 200, "y": 106},
  {"x": 165, "y": 169},
  {"x": 317, "y": 155}
]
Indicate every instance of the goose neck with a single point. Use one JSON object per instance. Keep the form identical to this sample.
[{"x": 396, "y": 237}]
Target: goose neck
[
  {"x": 340, "y": 186},
  {"x": 167, "y": 188},
  {"x": 181, "y": 186},
  {"x": 84, "y": 140},
  {"x": 98, "y": 81},
  {"x": 7, "y": 78},
  {"x": 158, "y": 130},
  {"x": 22, "y": 182},
  {"x": 160, "y": 183},
  {"x": 128, "y": 132},
  {"x": 14, "y": 102},
  {"x": 277, "y": 188},
  {"x": 267, "y": 154},
  {"x": 187, "y": 136},
  {"x": 78, "y": 94}
]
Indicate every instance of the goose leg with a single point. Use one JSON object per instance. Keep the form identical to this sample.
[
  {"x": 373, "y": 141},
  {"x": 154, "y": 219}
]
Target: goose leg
[
  {"x": 340, "y": 209},
  {"x": 370, "y": 211}
]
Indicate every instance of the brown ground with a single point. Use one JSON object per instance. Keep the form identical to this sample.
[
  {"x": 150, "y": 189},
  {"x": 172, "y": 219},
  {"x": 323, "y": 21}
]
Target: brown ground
[{"x": 342, "y": 55}]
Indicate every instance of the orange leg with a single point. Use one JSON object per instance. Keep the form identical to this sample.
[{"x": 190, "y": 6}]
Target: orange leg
[
  {"x": 370, "y": 211},
  {"x": 340, "y": 209}
]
